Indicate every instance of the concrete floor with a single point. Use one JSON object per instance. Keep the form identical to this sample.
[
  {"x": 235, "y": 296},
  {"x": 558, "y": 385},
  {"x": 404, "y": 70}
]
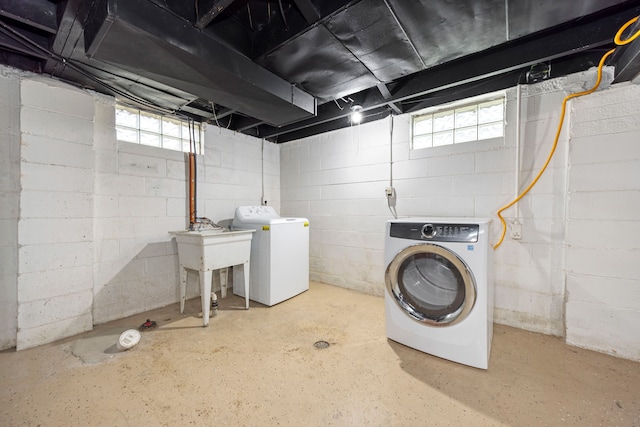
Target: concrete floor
[{"x": 260, "y": 367}]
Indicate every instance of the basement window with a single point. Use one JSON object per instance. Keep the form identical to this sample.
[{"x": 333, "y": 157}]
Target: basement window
[
  {"x": 455, "y": 125},
  {"x": 142, "y": 127}
]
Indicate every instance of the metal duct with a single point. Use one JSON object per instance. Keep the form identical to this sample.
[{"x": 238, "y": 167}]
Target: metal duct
[{"x": 154, "y": 43}]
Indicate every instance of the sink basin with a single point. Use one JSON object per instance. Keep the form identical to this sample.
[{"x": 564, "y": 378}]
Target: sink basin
[
  {"x": 209, "y": 250},
  {"x": 201, "y": 232}
]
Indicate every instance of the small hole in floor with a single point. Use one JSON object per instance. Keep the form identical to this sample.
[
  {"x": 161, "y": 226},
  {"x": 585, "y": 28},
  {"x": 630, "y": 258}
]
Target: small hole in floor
[{"x": 321, "y": 345}]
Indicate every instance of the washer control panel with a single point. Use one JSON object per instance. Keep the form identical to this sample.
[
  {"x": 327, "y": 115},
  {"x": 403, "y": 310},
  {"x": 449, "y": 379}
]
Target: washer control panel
[
  {"x": 436, "y": 232},
  {"x": 245, "y": 213}
]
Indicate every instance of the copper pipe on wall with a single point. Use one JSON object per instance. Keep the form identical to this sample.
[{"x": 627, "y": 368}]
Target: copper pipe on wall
[{"x": 192, "y": 190}]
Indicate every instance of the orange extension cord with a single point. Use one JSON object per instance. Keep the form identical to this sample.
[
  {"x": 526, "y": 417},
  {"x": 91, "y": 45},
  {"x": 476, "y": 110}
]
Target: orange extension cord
[{"x": 619, "y": 42}]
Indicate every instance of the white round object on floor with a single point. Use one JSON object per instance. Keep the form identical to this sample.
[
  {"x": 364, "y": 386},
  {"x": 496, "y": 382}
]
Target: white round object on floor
[{"x": 128, "y": 339}]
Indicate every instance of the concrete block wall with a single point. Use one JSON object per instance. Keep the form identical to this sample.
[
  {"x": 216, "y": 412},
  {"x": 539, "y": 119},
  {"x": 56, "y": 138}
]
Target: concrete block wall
[
  {"x": 603, "y": 223},
  {"x": 55, "y": 227},
  {"x": 9, "y": 204},
  {"x": 91, "y": 216},
  {"x": 141, "y": 195},
  {"x": 338, "y": 179},
  {"x": 529, "y": 275},
  {"x": 85, "y": 220},
  {"x": 236, "y": 168}
]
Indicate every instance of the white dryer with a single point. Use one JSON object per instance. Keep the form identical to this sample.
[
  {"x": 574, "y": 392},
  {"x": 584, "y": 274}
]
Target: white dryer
[
  {"x": 279, "y": 255},
  {"x": 439, "y": 287}
]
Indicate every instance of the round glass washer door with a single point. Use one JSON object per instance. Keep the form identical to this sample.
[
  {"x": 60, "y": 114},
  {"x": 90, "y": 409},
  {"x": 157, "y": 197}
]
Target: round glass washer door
[{"x": 431, "y": 284}]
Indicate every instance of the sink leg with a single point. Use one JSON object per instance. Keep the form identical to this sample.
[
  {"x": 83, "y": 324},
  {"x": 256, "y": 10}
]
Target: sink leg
[
  {"x": 246, "y": 268},
  {"x": 183, "y": 287},
  {"x": 224, "y": 274},
  {"x": 205, "y": 295}
]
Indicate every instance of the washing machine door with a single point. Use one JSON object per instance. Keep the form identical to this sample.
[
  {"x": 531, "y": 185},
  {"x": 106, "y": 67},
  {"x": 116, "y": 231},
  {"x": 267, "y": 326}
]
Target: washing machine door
[{"x": 431, "y": 284}]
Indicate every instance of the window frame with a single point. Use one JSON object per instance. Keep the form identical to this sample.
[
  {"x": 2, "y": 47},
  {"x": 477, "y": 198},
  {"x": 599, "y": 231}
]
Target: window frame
[
  {"x": 161, "y": 135},
  {"x": 452, "y": 109}
]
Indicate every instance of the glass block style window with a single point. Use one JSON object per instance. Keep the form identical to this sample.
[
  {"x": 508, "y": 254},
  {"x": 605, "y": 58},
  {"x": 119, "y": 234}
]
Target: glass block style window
[
  {"x": 141, "y": 127},
  {"x": 483, "y": 120}
]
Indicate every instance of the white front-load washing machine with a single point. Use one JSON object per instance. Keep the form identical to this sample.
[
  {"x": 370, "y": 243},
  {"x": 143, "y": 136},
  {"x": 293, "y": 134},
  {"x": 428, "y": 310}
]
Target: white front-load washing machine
[{"x": 439, "y": 287}]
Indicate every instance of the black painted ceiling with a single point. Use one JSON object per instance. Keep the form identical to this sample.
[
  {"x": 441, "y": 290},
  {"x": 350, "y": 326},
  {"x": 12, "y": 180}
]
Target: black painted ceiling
[{"x": 287, "y": 69}]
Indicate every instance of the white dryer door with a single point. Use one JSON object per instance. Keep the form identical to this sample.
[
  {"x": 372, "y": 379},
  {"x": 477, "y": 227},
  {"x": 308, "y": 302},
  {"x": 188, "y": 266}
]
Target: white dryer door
[{"x": 431, "y": 284}]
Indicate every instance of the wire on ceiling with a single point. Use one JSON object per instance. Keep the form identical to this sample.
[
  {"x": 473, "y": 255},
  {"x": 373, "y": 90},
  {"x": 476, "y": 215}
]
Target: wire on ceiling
[
  {"x": 20, "y": 38},
  {"x": 249, "y": 13},
  {"x": 284, "y": 18},
  {"x": 619, "y": 42},
  {"x": 215, "y": 116}
]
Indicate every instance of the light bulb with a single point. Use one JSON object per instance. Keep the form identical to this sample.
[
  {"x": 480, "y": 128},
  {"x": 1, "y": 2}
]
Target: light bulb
[{"x": 356, "y": 115}]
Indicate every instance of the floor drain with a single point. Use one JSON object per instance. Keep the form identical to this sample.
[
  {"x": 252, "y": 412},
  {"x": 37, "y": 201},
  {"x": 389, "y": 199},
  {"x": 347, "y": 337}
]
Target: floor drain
[{"x": 321, "y": 344}]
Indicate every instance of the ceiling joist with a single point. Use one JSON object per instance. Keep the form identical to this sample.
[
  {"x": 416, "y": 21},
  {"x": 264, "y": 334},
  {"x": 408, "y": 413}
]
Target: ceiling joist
[
  {"x": 384, "y": 91},
  {"x": 207, "y": 10},
  {"x": 38, "y": 14}
]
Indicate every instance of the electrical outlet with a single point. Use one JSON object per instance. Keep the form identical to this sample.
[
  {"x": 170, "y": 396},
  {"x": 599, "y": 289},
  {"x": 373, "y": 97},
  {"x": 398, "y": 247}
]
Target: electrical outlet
[
  {"x": 389, "y": 191},
  {"x": 516, "y": 231}
]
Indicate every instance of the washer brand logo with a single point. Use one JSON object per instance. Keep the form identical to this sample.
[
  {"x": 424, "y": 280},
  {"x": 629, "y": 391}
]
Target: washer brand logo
[{"x": 470, "y": 247}]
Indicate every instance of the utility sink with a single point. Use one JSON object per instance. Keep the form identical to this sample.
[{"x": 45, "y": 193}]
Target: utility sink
[{"x": 208, "y": 250}]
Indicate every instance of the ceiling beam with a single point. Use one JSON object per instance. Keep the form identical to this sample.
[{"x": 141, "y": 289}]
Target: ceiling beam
[
  {"x": 20, "y": 61},
  {"x": 224, "y": 112},
  {"x": 39, "y": 14},
  {"x": 369, "y": 116},
  {"x": 15, "y": 41},
  {"x": 196, "y": 111},
  {"x": 242, "y": 124},
  {"x": 384, "y": 91},
  {"x": 207, "y": 10}
]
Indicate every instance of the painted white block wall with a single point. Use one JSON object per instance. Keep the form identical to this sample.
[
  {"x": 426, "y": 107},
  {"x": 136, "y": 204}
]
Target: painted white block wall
[
  {"x": 236, "y": 169},
  {"x": 141, "y": 195},
  {"x": 338, "y": 179},
  {"x": 9, "y": 204},
  {"x": 91, "y": 216},
  {"x": 529, "y": 272},
  {"x": 134, "y": 262},
  {"x": 55, "y": 231},
  {"x": 603, "y": 223}
]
